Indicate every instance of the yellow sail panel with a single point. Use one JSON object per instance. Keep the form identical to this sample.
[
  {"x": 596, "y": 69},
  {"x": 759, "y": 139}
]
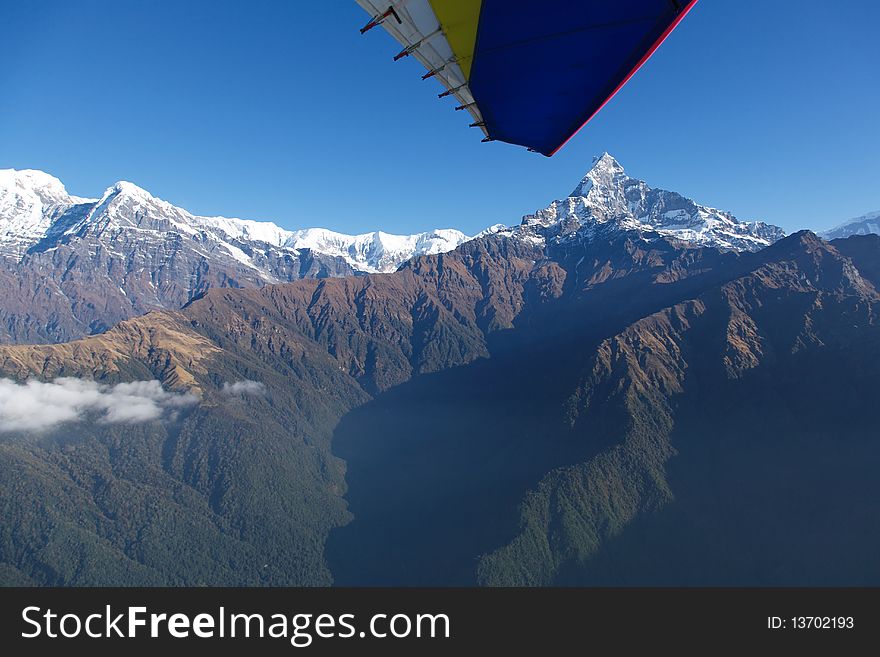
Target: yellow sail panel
[{"x": 459, "y": 19}]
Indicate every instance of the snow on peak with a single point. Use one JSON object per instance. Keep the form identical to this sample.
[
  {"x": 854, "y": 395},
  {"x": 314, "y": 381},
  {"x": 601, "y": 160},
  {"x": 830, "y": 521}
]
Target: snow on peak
[
  {"x": 864, "y": 225},
  {"x": 125, "y": 187},
  {"x": 246, "y": 230},
  {"x": 607, "y": 199},
  {"x": 377, "y": 251},
  {"x": 493, "y": 230},
  {"x": 45, "y": 186},
  {"x": 34, "y": 206},
  {"x": 32, "y": 179},
  {"x": 29, "y": 199},
  {"x": 603, "y": 183}
]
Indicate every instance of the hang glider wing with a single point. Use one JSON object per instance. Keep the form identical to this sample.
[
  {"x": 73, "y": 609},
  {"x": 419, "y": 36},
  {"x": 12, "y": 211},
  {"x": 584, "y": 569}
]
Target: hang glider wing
[{"x": 529, "y": 72}]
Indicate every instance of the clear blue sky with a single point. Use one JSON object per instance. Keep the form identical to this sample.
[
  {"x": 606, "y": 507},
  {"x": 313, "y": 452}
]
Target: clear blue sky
[{"x": 282, "y": 110}]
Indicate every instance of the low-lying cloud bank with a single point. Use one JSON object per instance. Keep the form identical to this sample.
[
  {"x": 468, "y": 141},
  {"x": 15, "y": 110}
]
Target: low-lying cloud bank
[
  {"x": 37, "y": 406},
  {"x": 244, "y": 387}
]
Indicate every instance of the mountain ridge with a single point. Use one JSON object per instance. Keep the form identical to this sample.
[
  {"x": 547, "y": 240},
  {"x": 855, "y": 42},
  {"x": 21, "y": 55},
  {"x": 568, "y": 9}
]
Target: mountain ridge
[
  {"x": 52, "y": 192},
  {"x": 75, "y": 266}
]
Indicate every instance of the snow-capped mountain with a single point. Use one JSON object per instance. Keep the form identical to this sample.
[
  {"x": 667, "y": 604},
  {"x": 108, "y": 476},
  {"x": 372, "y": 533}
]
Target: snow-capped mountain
[
  {"x": 608, "y": 201},
  {"x": 35, "y": 207},
  {"x": 864, "y": 225},
  {"x": 72, "y": 266},
  {"x": 376, "y": 251},
  {"x": 29, "y": 203}
]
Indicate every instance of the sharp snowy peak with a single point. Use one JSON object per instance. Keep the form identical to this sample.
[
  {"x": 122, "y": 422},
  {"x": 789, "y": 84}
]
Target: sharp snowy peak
[
  {"x": 29, "y": 202},
  {"x": 864, "y": 225},
  {"x": 608, "y": 201}
]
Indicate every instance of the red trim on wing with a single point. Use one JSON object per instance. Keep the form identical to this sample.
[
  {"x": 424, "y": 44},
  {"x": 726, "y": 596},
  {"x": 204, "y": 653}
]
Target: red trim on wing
[{"x": 642, "y": 61}]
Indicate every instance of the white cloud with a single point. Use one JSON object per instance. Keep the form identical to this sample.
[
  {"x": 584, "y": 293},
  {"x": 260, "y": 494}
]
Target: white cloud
[
  {"x": 245, "y": 387},
  {"x": 36, "y": 406}
]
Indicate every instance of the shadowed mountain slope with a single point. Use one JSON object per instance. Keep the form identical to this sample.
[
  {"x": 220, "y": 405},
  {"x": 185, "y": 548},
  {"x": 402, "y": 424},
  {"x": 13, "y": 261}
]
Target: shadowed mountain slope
[{"x": 512, "y": 412}]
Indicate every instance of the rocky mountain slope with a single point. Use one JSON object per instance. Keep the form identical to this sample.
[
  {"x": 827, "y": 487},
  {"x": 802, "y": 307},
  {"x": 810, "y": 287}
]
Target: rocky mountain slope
[
  {"x": 722, "y": 469},
  {"x": 517, "y": 411}
]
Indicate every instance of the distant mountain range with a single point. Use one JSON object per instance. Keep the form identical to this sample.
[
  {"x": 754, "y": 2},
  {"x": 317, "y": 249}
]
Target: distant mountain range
[
  {"x": 868, "y": 224},
  {"x": 74, "y": 266},
  {"x": 37, "y": 214}
]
